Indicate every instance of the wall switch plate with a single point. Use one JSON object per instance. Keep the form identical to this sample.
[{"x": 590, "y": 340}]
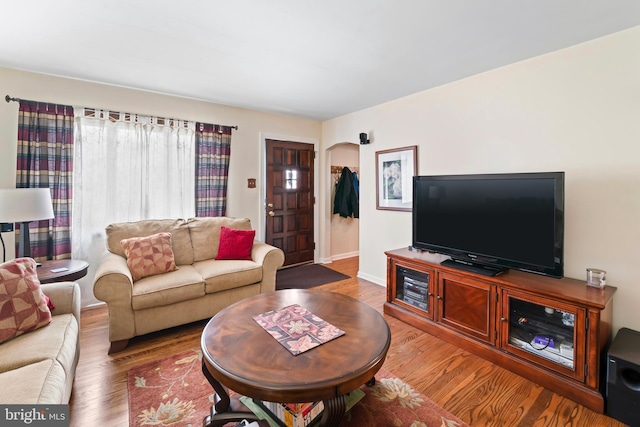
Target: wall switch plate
[{"x": 6, "y": 227}]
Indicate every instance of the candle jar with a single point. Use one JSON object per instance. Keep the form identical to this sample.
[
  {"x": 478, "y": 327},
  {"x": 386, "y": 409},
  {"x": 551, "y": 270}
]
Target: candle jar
[{"x": 596, "y": 277}]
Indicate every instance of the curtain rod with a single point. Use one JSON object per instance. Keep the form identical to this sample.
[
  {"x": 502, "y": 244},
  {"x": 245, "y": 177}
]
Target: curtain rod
[{"x": 9, "y": 99}]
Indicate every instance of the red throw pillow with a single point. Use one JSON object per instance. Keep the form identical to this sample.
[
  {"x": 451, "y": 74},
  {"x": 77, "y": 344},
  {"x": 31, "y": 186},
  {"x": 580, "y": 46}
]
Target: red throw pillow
[
  {"x": 235, "y": 244},
  {"x": 50, "y": 304}
]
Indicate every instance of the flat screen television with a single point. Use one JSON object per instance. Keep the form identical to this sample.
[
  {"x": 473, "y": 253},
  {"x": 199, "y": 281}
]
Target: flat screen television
[{"x": 491, "y": 222}]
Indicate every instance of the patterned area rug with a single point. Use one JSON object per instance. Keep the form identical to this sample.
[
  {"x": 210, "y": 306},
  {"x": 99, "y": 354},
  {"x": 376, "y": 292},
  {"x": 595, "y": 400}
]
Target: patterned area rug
[{"x": 174, "y": 392}]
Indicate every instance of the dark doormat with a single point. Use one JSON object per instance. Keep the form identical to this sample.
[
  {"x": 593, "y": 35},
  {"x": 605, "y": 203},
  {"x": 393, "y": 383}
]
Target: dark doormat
[{"x": 306, "y": 276}]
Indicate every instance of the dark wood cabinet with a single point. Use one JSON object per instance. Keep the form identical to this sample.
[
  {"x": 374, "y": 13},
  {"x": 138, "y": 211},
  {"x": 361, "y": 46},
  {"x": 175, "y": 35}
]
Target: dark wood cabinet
[
  {"x": 467, "y": 305},
  {"x": 554, "y": 332}
]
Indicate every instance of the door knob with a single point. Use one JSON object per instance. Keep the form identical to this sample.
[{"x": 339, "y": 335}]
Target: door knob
[
  {"x": 271, "y": 213},
  {"x": 269, "y": 205}
]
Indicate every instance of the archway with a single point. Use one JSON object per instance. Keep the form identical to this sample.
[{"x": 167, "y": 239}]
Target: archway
[{"x": 343, "y": 233}]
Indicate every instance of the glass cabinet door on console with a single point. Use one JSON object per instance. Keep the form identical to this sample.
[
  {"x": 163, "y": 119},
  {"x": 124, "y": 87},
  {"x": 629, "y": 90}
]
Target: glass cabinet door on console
[
  {"x": 413, "y": 289},
  {"x": 544, "y": 331}
]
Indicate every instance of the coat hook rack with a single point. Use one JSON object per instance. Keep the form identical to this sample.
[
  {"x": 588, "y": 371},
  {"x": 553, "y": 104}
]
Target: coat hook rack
[{"x": 338, "y": 169}]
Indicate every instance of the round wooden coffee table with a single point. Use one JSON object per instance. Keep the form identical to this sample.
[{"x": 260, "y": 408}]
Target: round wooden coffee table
[{"x": 240, "y": 355}]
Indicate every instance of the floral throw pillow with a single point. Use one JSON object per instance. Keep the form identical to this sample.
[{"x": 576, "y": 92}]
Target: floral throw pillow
[
  {"x": 150, "y": 255},
  {"x": 23, "y": 306}
]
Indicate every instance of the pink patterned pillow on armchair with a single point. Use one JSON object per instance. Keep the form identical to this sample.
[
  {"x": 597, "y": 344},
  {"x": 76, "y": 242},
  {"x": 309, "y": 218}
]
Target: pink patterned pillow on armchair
[{"x": 23, "y": 306}]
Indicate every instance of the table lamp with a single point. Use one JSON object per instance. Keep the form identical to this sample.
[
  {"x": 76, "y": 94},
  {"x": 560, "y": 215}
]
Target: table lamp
[{"x": 24, "y": 205}]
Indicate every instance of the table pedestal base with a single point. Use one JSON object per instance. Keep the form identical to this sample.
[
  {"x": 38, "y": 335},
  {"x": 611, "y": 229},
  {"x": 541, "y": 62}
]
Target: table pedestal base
[
  {"x": 223, "y": 413},
  {"x": 334, "y": 409}
]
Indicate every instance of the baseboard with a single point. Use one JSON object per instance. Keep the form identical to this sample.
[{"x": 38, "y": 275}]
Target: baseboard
[
  {"x": 375, "y": 280},
  {"x": 345, "y": 255},
  {"x": 95, "y": 304},
  {"x": 372, "y": 279}
]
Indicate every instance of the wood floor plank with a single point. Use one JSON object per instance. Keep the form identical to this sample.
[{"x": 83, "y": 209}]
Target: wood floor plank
[{"x": 475, "y": 390}]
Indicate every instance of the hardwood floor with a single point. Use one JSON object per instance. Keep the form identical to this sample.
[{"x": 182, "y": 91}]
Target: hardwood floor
[{"x": 477, "y": 391}]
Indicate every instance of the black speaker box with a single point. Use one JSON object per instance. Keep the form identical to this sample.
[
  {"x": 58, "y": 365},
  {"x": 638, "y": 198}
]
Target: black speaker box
[{"x": 623, "y": 378}]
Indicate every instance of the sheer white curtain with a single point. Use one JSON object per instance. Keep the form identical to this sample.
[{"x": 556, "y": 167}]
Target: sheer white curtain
[{"x": 127, "y": 168}]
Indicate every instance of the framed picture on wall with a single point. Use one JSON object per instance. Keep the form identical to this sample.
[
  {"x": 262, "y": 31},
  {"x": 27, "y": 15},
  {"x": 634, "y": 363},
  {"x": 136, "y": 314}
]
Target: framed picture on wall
[{"x": 395, "y": 169}]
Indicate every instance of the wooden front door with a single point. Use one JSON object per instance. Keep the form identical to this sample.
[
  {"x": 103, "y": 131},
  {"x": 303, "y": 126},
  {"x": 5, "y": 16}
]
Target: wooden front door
[{"x": 290, "y": 199}]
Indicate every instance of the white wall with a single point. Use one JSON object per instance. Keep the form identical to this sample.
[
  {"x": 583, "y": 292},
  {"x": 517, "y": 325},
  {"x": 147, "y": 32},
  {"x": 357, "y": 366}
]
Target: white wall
[
  {"x": 576, "y": 110},
  {"x": 246, "y": 152}
]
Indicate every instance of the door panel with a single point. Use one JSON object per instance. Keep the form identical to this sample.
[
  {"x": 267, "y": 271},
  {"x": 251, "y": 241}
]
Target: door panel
[
  {"x": 290, "y": 199},
  {"x": 467, "y": 306}
]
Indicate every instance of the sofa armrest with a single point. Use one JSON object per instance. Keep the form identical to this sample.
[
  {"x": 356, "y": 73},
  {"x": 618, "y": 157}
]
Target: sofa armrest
[
  {"x": 113, "y": 279},
  {"x": 271, "y": 258},
  {"x": 65, "y": 296},
  {"x": 113, "y": 284}
]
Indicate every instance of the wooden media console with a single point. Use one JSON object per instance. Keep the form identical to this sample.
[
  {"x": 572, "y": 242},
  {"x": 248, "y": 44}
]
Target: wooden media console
[{"x": 554, "y": 332}]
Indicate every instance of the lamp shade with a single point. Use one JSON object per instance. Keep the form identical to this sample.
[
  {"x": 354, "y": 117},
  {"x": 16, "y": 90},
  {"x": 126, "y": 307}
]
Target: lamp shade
[{"x": 25, "y": 204}]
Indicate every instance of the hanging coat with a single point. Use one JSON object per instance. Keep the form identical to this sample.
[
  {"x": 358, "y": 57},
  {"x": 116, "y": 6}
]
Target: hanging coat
[
  {"x": 356, "y": 183},
  {"x": 345, "y": 202}
]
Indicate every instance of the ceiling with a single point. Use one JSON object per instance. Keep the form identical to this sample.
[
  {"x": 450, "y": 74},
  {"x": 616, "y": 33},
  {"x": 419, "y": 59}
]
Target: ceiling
[{"x": 312, "y": 59}]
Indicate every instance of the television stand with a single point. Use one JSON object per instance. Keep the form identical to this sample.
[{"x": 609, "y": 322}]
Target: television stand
[
  {"x": 510, "y": 320},
  {"x": 473, "y": 268}
]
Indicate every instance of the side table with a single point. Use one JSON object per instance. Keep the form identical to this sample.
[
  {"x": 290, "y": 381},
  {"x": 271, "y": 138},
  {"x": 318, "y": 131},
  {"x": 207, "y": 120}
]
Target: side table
[{"x": 62, "y": 270}]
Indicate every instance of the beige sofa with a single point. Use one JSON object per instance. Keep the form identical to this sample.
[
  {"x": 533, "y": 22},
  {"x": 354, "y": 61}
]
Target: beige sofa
[
  {"x": 39, "y": 367},
  {"x": 198, "y": 289}
]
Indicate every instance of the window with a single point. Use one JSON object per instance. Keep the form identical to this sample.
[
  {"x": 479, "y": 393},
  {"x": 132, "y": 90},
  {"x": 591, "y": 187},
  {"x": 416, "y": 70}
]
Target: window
[
  {"x": 127, "y": 168},
  {"x": 291, "y": 179}
]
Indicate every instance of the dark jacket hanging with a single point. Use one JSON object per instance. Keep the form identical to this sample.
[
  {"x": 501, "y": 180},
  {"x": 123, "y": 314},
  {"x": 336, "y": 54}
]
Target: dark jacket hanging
[{"x": 345, "y": 202}]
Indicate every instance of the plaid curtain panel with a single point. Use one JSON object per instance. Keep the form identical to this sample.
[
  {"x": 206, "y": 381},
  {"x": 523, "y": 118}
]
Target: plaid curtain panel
[
  {"x": 45, "y": 160},
  {"x": 213, "y": 150}
]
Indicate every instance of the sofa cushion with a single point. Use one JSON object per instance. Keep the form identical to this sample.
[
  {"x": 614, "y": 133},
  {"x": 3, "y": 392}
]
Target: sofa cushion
[
  {"x": 205, "y": 234},
  {"x": 23, "y": 306},
  {"x": 180, "y": 238},
  {"x": 164, "y": 289},
  {"x": 149, "y": 255},
  {"x": 40, "y": 383},
  {"x": 58, "y": 341},
  {"x": 220, "y": 275},
  {"x": 235, "y": 244}
]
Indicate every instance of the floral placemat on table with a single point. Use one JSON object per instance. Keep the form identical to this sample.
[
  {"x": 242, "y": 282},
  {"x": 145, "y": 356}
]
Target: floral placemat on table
[{"x": 296, "y": 328}]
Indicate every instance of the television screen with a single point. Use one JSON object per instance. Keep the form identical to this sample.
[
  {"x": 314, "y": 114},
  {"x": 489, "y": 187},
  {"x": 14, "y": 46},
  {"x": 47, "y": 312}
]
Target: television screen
[{"x": 493, "y": 220}]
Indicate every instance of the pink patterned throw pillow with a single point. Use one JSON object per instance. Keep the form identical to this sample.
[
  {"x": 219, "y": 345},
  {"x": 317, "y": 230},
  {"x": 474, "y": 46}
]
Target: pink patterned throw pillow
[
  {"x": 150, "y": 255},
  {"x": 23, "y": 306}
]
